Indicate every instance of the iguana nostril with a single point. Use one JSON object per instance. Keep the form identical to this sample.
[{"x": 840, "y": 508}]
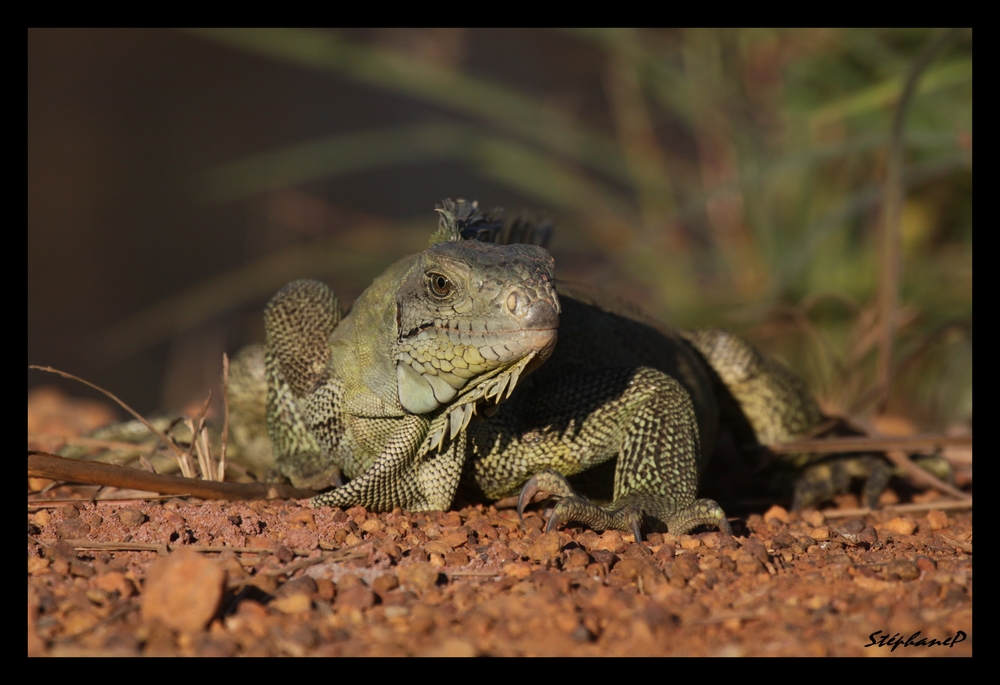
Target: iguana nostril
[{"x": 541, "y": 315}]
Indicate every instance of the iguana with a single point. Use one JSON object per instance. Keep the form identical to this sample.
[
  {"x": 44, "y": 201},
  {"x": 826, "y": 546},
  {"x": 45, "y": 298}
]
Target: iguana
[
  {"x": 448, "y": 370},
  {"x": 465, "y": 364}
]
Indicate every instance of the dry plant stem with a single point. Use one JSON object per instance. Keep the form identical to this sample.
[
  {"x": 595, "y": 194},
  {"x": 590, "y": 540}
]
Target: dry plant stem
[
  {"x": 152, "y": 429},
  {"x": 889, "y": 264},
  {"x": 964, "y": 546},
  {"x": 87, "y": 442},
  {"x": 960, "y": 505},
  {"x": 225, "y": 417},
  {"x": 197, "y": 428},
  {"x": 921, "y": 477},
  {"x": 36, "y": 505},
  {"x": 911, "y": 443},
  {"x": 43, "y": 465},
  {"x": 893, "y": 448},
  {"x": 344, "y": 554}
]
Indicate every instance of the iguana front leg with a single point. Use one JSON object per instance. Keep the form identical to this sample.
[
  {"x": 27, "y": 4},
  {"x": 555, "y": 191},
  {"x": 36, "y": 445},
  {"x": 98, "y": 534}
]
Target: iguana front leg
[
  {"x": 642, "y": 417},
  {"x": 404, "y": 475}
]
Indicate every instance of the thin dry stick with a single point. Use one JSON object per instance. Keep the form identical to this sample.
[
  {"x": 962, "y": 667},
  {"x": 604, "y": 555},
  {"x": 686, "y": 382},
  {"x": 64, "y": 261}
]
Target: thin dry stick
[
  {"x": 890, "y": 266},
  {"x": 225, "y": 416},
  {"x": 922, "y": 477},
  {"x": 44, "y": 465},
  {"x": 83, "y": 544},
  {"x": 152, "y": 429},
  {"x": 87, "y": 442},
  {"x": 878, "y": 443},
  {"x": 342, "y": 554},
  {"x": 960, "y": 505},
  {"x": 36, "y": 505}
]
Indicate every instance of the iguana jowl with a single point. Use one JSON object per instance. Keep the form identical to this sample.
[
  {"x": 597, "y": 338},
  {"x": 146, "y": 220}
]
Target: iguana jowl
[{"x": 426, "y": 382}]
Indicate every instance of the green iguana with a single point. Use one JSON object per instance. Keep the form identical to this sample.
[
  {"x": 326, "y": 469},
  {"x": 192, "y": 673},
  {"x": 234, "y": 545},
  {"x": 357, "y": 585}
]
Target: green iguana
[
  {"x": 448, "y": 370},
  {"x": 464, "y": 364}
]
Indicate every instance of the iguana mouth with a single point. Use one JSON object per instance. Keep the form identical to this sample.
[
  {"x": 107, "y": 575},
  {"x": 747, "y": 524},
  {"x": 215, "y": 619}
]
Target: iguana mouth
[{"x": 439, "y": 365}]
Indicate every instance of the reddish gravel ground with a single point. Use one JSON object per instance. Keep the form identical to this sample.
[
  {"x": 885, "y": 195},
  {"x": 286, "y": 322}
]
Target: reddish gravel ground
[{"x": 181, "y": 576}]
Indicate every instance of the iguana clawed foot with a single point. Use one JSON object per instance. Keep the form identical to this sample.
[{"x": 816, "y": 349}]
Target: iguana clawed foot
[
  {"x": 823, "y": 480},
  {"x": 627, "y": 513}
]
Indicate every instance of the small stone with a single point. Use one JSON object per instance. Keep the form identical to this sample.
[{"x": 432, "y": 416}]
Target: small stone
[
  {"x": 747, "y": 564},
  {"x": 936, "y": 519},
  {"x": 545, "y": 548},
  {"x": 114, "y": 582},
  {"x": 391, "y": 550},
  {"x": 455, "y": 538},
  {"x": 901, "y": 525},
  {"x": 776, "y": 512},
  {"x": 782, "y": 540},
  {"x": 852, "y": 527},
  {"x": 325, "y": 589},
  {"x": 575, "y": 558},
  {"x": 355, "y": 597},
  {"x": 265, "y": 582},
  {"x": 73, "y": 529},
  {"x": 70, "y": 511},
  {"x": 925, "y": 563},
  {"x": 868, "y": 536},
  {"x": 630, "y": 569},
  {"x": 686, "y": 565},
  {"x": 183, "y": 591},
  {"x": 373, "y": 525},
  {"x": 814, "y": 518},
  {"x": 81, "y": 570},
  {"x": 690, "y": 543},
  {"x": 902, "y": 569},
  {"x": 456, "y": 559},
  {"x": 517, "y": 570},
  {"x": 292, "y": 604},
  {"x": 42, "y": 518},
  {"x": 420, "y": 576},
  {"x": 298, "y": 586},
  {"x": 605, "y": 558},
  {"x": 820, "y": 533},
  {"x": 436, "y": 547},
  {"x": 665, "y": 553},
  {"x": 131, "y": 518},
  {"x": 259, "y": 542},
  {"x": 756, "y": 549},
  {"x": 611, "y": 540},
  {"x": 385, "y": 584},
  {"x": 38, "y": 566}
]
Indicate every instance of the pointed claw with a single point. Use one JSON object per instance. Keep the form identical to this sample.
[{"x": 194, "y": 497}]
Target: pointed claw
[
  {"x": 554, "y": 522},
  {"x": 527, "y": 492},
  {"x": 636, "y": 530}
]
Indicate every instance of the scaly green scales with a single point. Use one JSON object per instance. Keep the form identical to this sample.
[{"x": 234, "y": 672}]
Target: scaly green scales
[{"x": 448, "y": 368}]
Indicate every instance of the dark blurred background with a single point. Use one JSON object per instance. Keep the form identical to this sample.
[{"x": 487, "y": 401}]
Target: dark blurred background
[{"x": 177, "y": 179}]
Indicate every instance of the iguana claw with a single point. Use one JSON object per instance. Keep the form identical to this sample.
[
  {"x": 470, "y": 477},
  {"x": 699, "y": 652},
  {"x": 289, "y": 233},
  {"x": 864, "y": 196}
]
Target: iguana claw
[{"x": 528, "y": 491}]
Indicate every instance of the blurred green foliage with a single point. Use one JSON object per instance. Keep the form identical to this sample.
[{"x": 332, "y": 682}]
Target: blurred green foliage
[{"x": 738, "y": 180}]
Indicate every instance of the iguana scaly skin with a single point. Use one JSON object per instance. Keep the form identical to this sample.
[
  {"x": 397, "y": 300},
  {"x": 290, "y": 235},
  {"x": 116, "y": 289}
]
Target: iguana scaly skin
[{"x": 426, "y": 382}]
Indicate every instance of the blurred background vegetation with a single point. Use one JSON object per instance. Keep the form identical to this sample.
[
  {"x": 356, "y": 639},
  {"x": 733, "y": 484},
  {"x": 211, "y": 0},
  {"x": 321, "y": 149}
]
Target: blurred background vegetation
[{"x": 717, "y": 177}]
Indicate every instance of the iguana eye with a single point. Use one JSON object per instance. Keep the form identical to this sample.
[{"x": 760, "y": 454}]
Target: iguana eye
[{"x": 440, "y": 285}]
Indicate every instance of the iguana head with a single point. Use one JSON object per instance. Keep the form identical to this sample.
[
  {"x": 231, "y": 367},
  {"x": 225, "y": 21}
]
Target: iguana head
[{"x": 472, "y": 318}]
